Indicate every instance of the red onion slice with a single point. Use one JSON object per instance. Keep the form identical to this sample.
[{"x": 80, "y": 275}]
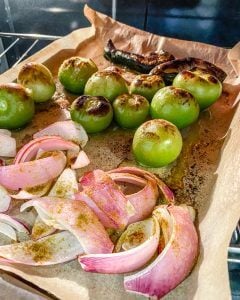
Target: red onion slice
[
  {"x": 16, "y": 224},
  {"x": 78, "y": 218},
  {"x": 5, "y": 199},
  {"x": 58, "y": 248},
  {"x": 174, "y": 263},
  {"x": 32, "y": 173},
  {"x": 167, "y": 193},
  {"x": 40, "y": 229},
  {"x": 53, "y": 143},
  {"x": 125, "y": 261},
  {"x": 99, "y": 186},
  {"x": 81, "y": 161},
  {"x": 7, "y": 146},
  {"x": 68, "y": 130},
  {"x": 8, "y": 231}
]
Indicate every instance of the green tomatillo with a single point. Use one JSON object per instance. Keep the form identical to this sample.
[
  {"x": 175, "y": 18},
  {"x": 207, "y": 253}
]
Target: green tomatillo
[
  {"x": 157, "y": 143},
  {"x": 146, "y": 85},
  {"x": 94, "y": 113},
  {"x": 205, "y": 88},
  {"x": 75, "y": 72},
  {"x": 130, "y": 111},
  {"x": 16, "y": 106},
  {"x": 175, "y": 105},
  {"x": 39, "y": 80},
  {"x": 108, "y": 84}
]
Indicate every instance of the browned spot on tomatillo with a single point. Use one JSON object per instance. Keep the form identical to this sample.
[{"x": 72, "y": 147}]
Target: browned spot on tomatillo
[
  {"x": 133, "y": 101},
  {"x": 93, "y": 105},
  {"x": 111, "y": 73},
  {"x": 212, "y": 79},
  {"x": 188, "y": 74},
  {"x": 147, "y": 81}
]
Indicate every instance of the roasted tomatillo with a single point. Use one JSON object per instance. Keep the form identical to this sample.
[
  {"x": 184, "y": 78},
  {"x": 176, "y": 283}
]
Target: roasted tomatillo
[
  {"x": 16, "y": 106},
  {"x": 157, "y": 143},
  {"x": 130, "y": 111},
  {"x": 94, "y": 113},
  {"x": 108, "y": 84},
  {"x": 146, "y": 85},
  {"x": 74, "y": 73},
  {"x": 175, "y": 105},
  {"x": 204, "y": 87},
  {"x": 39, "y": 80}
]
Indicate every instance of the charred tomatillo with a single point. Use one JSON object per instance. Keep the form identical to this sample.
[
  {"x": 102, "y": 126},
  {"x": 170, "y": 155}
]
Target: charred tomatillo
[
  {"x": 130, "y": 111},
  {"x": 16, "y": 106},
  {"x": 146, "y": 85},
  {"x": 94, "y": 113},
  {"x": 39, "y": 80},
  {"x": 156, "y": 143},
  {"x": 175, "y": 105},
  {"x": 205, "y": 88},
  {"x": 108, "y": 84},
  {"x": 74, "y": 73}
]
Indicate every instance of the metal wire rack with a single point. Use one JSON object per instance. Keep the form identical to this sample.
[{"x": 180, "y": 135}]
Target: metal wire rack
[{"x": 234, "y": 247}]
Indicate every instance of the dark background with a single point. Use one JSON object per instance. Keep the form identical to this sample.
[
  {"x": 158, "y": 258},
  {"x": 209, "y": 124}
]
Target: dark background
[{"x": 211, "y": 21}]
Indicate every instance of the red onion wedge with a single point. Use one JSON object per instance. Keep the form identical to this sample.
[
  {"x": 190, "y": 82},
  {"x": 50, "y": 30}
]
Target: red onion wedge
[
  {"x": 68, "y": 130},
  {"x": 66, "y": 185},
  {"x": 32, "y": 173},
  {"x": 53, "y": 143},
  {"x": 143, "y": 201},
  {"x": 131, "y": 259},
  {"x": 8, "y": 231},
  {"x": 176, "y": 260},
  {"x": 99, "y": 186},
  {"x": 7, "y": 146},
  {"x": 13, "y": 222},
  {"x": 58, "y": 248},
  {"x": 34, "y": 192},
  {"x": 78, "y": 218},
  {"x": 81, "y": 161},
  {"x": 40, "y": 229},
  {"x": 167, "y": 193},
  {"x": 5, "y": 199}
]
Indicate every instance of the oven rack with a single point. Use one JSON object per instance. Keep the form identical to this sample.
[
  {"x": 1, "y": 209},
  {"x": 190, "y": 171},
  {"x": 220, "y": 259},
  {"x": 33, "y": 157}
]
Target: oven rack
[{"x": 234, "y": 247}]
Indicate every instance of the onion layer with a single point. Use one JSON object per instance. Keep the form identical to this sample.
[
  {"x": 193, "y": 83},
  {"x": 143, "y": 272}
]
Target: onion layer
[
  {"x": 51, "y": 143},
  {"x": 66, "y": 185},
  {"x": 99, "y": 186},
  {"x": 167, "y": 193},
  {"x": 68, "y": 130},
  {"x": 58, "y": 248},
  {"x": 142, "y": 201},
  {"x": 16, "y": 224},
  {"x": 7, "y": 146},
  {"x": 176, "y": 260},
  {"x": 129, "y": 260},
  {"x": 32, "y": 173},
  {"x": 40, "y": 229},
  {"x": 5, "y": 199},
  {"x": 78, "y": 218}
]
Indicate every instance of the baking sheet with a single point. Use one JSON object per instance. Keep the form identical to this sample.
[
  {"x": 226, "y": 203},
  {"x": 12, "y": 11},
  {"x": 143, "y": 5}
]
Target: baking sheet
[{"x": 206, "y": 175}]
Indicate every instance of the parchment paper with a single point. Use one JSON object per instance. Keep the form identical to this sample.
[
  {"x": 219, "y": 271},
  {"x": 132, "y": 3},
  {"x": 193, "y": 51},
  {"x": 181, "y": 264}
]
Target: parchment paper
[{"x": 206, "y": 175}]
